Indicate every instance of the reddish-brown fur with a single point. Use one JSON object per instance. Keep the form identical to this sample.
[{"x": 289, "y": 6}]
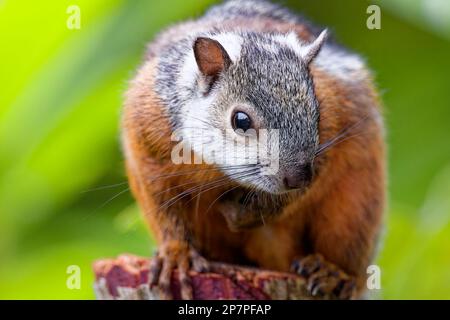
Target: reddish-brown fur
[{"x": 339, "y": 216}]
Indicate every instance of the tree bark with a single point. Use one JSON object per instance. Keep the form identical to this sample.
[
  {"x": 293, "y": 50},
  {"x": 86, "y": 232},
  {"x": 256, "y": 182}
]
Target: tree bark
[{"x": 126, "y": 278}]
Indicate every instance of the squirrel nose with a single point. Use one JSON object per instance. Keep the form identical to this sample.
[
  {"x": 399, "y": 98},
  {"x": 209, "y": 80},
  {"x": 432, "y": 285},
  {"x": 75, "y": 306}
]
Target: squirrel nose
[{"x": 298, "y": 177}]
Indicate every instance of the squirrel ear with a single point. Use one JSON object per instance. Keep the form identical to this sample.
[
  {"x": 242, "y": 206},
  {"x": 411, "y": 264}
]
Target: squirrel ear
[
  {"x": 211, "y": 57},
  {"x": 310, "y": 51}
]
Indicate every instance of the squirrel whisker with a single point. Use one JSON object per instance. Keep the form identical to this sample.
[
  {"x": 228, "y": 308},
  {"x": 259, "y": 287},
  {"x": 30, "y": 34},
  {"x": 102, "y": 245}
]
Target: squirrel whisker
[{"x": 174, "y": 199}]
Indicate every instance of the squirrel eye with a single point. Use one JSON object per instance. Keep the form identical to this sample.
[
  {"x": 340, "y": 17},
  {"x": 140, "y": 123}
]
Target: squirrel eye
[{"x": 241, "y": 120}]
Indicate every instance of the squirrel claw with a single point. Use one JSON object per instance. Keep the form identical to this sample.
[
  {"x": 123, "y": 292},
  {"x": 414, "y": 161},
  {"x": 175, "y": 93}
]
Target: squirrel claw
[
  {"x": 308, "y": 265},
  {"x": 199, "y": 264},
  {"x": 180, "y": 256},
  {"x": 324, "y": 279},
  {"x": 154, "y": 270}
]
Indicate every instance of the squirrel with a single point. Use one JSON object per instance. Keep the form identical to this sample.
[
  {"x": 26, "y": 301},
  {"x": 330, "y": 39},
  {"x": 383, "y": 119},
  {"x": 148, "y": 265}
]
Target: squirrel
[{"x": 249, "y": 64}]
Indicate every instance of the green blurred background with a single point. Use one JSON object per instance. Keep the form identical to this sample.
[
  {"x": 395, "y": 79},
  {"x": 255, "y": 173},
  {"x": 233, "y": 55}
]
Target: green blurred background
[{"x": 60, "y": 99}]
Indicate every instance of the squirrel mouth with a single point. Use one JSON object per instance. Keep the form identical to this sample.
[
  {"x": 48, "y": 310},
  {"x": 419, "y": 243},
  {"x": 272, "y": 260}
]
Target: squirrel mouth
[{"x": 246, "y": 209}]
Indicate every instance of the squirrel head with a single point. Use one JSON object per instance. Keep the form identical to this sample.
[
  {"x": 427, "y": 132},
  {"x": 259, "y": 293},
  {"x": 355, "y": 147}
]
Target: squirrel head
[{"x": 252, "y": 109}]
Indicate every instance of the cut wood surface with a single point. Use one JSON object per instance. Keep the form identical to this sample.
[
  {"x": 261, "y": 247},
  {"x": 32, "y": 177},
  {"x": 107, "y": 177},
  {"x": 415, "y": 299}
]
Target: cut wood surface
[{"x": 126, "y": 277}]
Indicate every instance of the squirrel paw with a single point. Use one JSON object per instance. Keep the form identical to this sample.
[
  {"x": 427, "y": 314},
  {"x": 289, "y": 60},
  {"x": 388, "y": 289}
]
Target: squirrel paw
[
  {"x": 175, "y": 255},
  {"x": 325, "y": 279}
]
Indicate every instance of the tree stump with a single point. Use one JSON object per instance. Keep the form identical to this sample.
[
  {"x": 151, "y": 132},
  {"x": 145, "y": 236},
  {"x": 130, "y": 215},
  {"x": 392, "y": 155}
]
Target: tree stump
[{"x": 126, "y": 278}]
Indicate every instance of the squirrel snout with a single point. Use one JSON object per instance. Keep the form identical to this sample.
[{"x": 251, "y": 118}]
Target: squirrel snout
[{"x": 296, "y": 177}]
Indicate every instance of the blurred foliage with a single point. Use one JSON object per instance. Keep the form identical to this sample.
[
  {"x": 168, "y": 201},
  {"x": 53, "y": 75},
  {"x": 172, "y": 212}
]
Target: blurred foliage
[{"x": 59, "y": 138}]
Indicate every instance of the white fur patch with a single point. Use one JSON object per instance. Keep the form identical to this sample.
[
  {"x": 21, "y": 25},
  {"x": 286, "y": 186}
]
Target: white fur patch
[
  {"x": 232, "y": 43},
  {"x": 290, "y": 40},
  {"x": 189, "y": 71},
  {"x": 345, "y": 66},
  {"x": 195, "y": 116}
]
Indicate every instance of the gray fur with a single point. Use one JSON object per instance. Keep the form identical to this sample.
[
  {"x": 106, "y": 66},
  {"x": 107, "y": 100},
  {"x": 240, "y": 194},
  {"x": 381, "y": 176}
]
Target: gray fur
[{"x": 280, "y": 88}]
